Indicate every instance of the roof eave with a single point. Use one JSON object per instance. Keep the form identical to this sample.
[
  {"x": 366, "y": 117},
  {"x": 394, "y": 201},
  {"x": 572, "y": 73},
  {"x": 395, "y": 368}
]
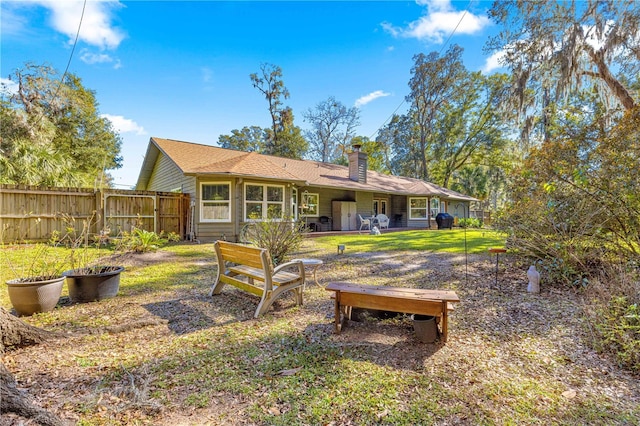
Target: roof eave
[{"x": 234, "y": 175}]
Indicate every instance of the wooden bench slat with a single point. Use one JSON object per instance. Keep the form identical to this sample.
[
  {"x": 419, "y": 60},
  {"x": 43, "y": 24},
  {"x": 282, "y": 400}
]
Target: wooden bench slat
[
  {"x": 395, "y": 291},
  {"x": 450, "y": 306},
  {"x": 241, "y": 266}
]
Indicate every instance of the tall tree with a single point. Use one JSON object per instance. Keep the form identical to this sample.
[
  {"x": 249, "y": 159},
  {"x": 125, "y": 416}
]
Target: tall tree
[
  {"x": 332, "y": 128},
  {"x": 249, "y": 139},
  {"x": 471, "y": 180},
  {"x": 292, "y": 144},
  {"x": 398, "y": 139},
  {"x": 269, "y": 82},
  {"x": 470, "y": 125},
  {"x": 555, "y": 47},
  {"x": 376, "y": 153},
  {"x": 434, "y": 82},
  {"x": 52, "y": 132}
]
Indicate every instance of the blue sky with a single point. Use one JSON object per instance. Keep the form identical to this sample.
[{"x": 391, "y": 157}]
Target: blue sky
[{"x": 180, "y": 70}]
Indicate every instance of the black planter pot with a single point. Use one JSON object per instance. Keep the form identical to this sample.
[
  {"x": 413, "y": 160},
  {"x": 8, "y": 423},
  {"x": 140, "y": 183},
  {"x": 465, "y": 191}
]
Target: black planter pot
[{"x": 91, "y": 284}]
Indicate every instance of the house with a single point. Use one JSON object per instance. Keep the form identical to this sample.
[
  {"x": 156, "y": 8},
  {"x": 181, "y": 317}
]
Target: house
[{"x": 229, "y": 188}]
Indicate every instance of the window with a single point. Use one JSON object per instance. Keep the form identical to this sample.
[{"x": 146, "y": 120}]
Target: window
[
  {"x": 379, "y": 207},
  {"x": 294, "y": 203},
  {"x": 418, "y": 208},
  {"x": 309, "y": 206},
  {"x": 263, "y": 201},
  {"x": 215, "y": 202},
  {"x": 435, "y": 207}
]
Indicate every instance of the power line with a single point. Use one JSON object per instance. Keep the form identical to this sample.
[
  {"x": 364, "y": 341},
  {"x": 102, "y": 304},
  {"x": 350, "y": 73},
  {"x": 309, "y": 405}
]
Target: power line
[
  {"x": 73, "y": 49},
  {"x": 66, "y": 70},
  {"x": 439, "y": 53}
]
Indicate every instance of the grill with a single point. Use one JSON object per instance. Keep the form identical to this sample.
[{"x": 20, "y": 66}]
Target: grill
[{"x": 444, "y": 220}]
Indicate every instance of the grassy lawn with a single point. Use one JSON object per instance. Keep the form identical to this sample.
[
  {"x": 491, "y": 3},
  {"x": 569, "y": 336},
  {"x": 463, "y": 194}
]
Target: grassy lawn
[
  {"x": 447, "y": 241},
  {"x": 165, "y": 353}
]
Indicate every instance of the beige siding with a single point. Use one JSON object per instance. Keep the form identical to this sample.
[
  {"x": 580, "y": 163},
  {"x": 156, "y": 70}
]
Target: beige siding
[
  {"x": 327, "y": 196},
  {"x": 166, "y": 176},
  {"x": 365, "y": 204}
]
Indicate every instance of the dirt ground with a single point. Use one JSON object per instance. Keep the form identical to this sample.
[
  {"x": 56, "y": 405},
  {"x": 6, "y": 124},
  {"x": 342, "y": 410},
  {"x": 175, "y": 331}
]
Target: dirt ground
[{"x": 492, "y": 332}]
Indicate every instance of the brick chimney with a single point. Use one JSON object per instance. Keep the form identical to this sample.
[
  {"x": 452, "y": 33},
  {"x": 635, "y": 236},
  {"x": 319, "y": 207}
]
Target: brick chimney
[{"x": 358, "y": 164}]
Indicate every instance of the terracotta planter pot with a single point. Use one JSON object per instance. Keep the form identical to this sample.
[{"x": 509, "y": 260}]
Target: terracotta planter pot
[
  {"x": 29, "y": 298},
  {"x": 84, "y": 287}
]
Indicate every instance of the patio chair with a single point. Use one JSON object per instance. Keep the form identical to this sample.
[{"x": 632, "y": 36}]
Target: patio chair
[
  {"x": 383, "y": 221},
  {"x": 364, "y": 222}
]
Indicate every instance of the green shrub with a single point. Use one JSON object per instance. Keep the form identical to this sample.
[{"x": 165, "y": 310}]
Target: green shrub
[
  {"x": 470, "y": 222},
  {"x": 142, "y": 241},
  {"x": 618, "y": 326},
  {"x": 279, "y": 236},
  {"x": 614, "y": 313}
]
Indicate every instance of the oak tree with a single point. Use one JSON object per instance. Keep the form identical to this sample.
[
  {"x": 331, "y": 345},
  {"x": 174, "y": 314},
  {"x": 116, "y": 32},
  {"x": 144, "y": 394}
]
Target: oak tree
[
  {"x": 332, "y": 128},
  {"x": 52, "y": 132}
]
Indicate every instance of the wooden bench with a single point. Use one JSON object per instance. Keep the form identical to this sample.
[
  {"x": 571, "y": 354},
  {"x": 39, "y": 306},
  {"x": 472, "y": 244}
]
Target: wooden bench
[
  {"x": 250, "y": 269},
  {"x": 395, "y": 299}
]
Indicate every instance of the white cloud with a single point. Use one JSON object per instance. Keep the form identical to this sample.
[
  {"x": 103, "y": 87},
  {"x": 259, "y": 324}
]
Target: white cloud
[
  {"x": 440, "y": 20},
  {"x": 8, "y": 87},
  {"x": 207, "y": 74},
  {"x": 96, "y": 29},
  {"x": 124, "y": 125},
  {"x": 493, "y": 62},
  {"x": 91, "y": 58},
  {"x": 363, "y": 100}
]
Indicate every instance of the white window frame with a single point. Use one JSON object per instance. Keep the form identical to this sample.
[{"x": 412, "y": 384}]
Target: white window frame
[
  {"x": 425, "y": 208},
  {"x": 204, "y": 202},
  {"x": 265, "y": 201},
  {"x": 306, "y": 196},
  {"x": 294, "y": 203},
  {"x": 434, "y": 209},
  {"x": 380, "y": 206}
]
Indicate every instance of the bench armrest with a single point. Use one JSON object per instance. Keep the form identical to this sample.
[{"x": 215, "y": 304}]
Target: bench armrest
[{"x": 295, "y": 263}]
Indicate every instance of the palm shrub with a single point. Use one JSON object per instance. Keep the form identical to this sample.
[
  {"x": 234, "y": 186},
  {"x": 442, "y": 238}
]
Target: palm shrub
[
  {"x": 140, "y": 240},
  {"x": 280, "y": 236}
]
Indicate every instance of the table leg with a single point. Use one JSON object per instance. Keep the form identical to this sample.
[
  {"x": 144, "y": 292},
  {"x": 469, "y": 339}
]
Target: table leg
[
  {"x": 444, "y": 321},
  {"x": 497, "y": 254},
  {"x": 337, "y": 312}
]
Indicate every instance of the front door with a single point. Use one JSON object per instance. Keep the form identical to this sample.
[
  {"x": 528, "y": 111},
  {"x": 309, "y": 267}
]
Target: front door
[{"x": 380, "y": 206}]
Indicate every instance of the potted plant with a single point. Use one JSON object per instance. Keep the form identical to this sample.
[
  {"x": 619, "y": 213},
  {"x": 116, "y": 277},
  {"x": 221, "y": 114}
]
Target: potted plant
[
  {"x": 37, "y": 270},
  {"x": 88, "y": 280}
]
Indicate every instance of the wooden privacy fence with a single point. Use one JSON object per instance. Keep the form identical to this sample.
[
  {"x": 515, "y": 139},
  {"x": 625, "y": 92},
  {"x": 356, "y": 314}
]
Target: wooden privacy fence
[{"x": 33, "y": 214}]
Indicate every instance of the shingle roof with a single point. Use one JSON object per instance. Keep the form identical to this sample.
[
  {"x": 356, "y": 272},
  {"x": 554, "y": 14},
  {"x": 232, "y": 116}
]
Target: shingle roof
[{"x": 197, "y": 159}]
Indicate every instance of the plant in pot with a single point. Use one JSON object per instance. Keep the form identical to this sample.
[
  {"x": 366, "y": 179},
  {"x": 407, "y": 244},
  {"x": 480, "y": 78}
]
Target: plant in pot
[
  {"x": 88, "y": 280},
  {"x": 37, "y": 274}
]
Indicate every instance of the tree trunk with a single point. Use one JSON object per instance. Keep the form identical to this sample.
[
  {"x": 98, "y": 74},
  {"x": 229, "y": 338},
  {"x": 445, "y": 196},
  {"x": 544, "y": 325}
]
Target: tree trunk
[
  {"x": 17, "y": 334},
  {"x": 14, "y": 334},
  {"x": 610, "y": 80}
]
